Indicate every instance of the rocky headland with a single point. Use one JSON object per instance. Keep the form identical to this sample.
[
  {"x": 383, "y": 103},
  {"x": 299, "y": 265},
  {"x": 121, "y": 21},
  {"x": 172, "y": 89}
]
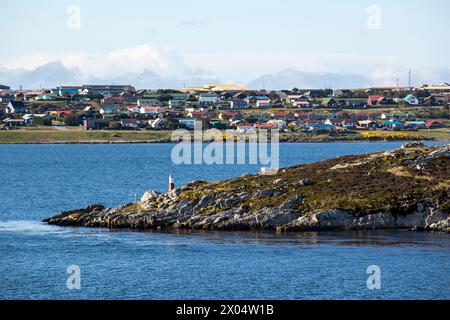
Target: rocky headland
[{"x": 406, "y": 188}]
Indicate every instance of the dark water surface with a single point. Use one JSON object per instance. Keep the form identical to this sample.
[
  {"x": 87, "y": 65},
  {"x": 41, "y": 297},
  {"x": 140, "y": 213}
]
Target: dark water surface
[{"x": 40, "y": 180}]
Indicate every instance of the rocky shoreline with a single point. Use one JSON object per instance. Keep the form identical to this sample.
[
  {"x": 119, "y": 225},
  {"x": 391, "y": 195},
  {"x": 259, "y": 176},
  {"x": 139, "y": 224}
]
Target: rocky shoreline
[{"x": 407, "y": 188}]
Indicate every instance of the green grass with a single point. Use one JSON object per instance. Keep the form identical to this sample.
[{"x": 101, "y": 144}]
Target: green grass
[
  {"x": 45, "y": 134},
  {"x": 377, "y": 183},
  {"x": 438, "y": 134},
  {"x": 73, "y": 135}
]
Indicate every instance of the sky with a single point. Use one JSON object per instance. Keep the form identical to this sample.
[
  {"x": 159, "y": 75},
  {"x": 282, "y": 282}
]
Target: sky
[{"x": 261, "y": 43}]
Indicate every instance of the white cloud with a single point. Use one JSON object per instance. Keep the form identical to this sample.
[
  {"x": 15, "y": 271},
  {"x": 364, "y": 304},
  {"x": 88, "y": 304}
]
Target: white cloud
[
  {"x": 146, "y": 65},
  {"x": 248, "y": 65},
  {"x": 387, "y": 76},
  {"x": 110, "y": 64}
]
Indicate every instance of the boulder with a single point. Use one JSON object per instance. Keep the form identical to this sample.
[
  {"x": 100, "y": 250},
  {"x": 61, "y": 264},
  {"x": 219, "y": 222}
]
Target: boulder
[
  {"x": 292, "y": 202},
  {"x": 333, "y": 219},
  {"x": 205, "y": 200},
  {"x": 150, "y": 195},
  {"x": 267, "y": 193},
  {"x": 414, "y": 220},
  {"x": 278, "y": 181},
  {"x": 305, "y": 182},
  {"x": 412, "y": 145},
  {"x": 276, "y": 217},
  {"x": 376, "y": 221}
]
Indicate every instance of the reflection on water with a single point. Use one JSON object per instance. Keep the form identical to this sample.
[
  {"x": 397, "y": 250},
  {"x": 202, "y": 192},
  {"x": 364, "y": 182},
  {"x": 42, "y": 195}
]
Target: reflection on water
[{"x": 177, "y": 237}]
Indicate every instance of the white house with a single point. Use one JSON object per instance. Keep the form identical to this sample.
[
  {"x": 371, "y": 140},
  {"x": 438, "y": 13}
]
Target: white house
[
  {"x": 15, "y": 107},
  {"x": 148, "y": 103},
  {"x": 151, "y": 110},
  {"x": 279, "y": 123},
  {"x": 190, "y": 123},
  {"x": 411, "y": 100},
  {"x": 208, "y": 100}
]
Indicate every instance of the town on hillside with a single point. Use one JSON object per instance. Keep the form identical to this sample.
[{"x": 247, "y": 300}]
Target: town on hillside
[{"x": 228, "y": 106}]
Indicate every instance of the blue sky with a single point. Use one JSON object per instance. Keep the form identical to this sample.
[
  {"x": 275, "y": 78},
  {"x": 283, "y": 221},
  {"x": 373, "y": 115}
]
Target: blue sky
[{"x": 234, "y": 41}]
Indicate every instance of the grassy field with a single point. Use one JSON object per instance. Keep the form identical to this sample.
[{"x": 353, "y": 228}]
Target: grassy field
[
  {"x": 41, "y": 134},
  {"x": 73, "y": 135}
]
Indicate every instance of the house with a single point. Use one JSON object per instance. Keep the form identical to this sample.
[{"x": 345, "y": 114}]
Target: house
[
  {"x": 368, "y": 124},
  {"x": 29, "y": 118},
  {"x": 157, "y": 123},
  {"x": 393, "y": 124},
  {"x": 195, "y": 108},
  {"x": 47, "y": 97},
  {"x": 177, "y": 103},
  {"x": 305, "y": 115},
  {"x": 329, "y": 103},
  {"x": 434, "y": 124},
  {"x": 198, "y": 114},
  {"x": 333, "y": 122},
  {"x": 14, "y": 123},
  {"x": 130, "y": 124},
  {"x": 191, "y": 123},
  {"x": 245, "y": 128},
  {"x": 112, "y": 100},
  {"x": 258, "y": 101},
  {"x": 318, "y": 93},
  {"x": 151, "y": 110},
  {"x": 239, "y": 96},
  {"x": 266, "y": 126},
  {"x": 443, "y": 88},
  {"x": 209, "y": 100},
  {"x": 128, "y": 97},
  {"x": 319, "y": 127},
  {"x": 419, "y": 124},
  {"x": 283, "y": 116},
  {"x": 4, "y": 88},
  {"x": 365, "y": 116},
  {"x": 262, "y": 102},
  {"x": 6, "y": 97},
  {"x": 229, "y": 116},
  {"x": 301, "y": 102},
  {"x": 108, "y": 89},
  {"x": 290, "y": 98},
  {"x": 259, "y": 116},
  {"x": 353, "y": 102},
  {"x": 108, "y": 110},
  {"x": 179, "y": 96},
  {"x": 279, "y": 123},
  {"x": 29, "y": 95},
  {"x": 67, "y": 91},
  {"x": 436, "y": 100},
  {"x": 348, "y": 124},
  {"x": 226, "y": 95},
  {"x": 342, "y": 93},
  {"x": 238, "y": 104},
  {"x": 94, "y": 124},
  {"x": 411, "y": 100},
  {"x": 374, "y": 100},
  {"x": 14, "y": 107},
  {"x": 325, "y": 115},
  {"x": 134, "y": 109},
  {"x": 148, "y": 103},
  {"x": 59, "y": 113}
]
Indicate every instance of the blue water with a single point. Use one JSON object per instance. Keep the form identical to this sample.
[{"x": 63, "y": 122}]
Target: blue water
[{"x": 41, "y": 180}]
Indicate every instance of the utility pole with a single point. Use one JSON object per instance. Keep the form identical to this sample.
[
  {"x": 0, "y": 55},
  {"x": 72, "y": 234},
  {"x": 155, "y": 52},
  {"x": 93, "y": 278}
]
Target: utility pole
[{"x": 409, "y": 78}]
